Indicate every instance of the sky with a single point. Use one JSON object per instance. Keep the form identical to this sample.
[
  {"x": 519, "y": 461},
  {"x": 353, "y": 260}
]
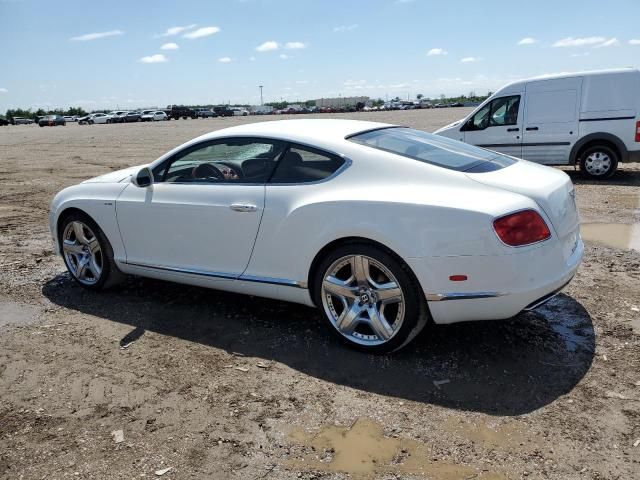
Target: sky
[{"x": 147, "y": 53}]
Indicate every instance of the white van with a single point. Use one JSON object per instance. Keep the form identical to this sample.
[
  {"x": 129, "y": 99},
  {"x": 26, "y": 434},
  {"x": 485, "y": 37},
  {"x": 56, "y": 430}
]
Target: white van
[{"x": 591, "y": 119}]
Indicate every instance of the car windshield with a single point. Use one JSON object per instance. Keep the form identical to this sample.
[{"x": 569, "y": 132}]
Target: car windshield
[{"x": 432, "y": 149}]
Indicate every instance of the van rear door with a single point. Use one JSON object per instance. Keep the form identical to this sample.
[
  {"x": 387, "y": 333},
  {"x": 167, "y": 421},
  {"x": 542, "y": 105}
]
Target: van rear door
[{"x": 551, "y": 120}]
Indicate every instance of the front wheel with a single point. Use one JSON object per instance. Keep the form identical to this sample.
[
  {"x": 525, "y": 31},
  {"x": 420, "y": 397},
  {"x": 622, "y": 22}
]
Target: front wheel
[
  {"x": 598, "y": 162},
  {"x": 370, "y": 299},
  {"x": 87, "y": 253}
]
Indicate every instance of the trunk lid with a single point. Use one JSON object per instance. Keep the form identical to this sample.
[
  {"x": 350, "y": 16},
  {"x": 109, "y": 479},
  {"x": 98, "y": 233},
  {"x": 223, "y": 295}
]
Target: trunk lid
[{"x": 551, "y": 189}]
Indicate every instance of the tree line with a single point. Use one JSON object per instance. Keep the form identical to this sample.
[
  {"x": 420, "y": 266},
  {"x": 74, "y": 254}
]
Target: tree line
[{"x": 28, "y": 113}]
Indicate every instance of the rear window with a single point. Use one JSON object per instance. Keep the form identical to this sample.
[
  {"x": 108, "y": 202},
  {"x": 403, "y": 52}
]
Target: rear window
[{"x": 433, "y": 149}]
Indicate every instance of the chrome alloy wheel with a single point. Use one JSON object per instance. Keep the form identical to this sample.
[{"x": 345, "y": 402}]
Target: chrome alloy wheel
[
  {"x": 363, "y": 300},
  {"x": 598, "y": 163},
  {"x": 82, "y": 252}
]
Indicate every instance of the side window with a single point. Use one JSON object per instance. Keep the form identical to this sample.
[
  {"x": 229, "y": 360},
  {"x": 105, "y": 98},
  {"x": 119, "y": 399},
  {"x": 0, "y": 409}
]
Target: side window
[
  {"x": 504, "y": 111},
  {"x": 222, "y": 161},
  {"x": 302, "y": 165},
  {"x": 498, "y": 112}
]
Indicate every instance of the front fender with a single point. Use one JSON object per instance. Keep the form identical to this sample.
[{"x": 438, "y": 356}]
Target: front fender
[{"x": 96, "y": 200}]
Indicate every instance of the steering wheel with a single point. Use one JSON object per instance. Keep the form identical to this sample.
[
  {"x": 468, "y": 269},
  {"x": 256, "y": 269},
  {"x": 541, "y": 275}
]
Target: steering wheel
[
  {"x": 231, "y": 171},
  {"x": 207, "y": 170}
]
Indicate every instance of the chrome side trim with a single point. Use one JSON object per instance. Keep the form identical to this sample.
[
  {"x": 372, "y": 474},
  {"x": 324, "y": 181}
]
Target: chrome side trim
[
  {"x": 440, "y": 297},
  {"x": 229, "y": 276}
]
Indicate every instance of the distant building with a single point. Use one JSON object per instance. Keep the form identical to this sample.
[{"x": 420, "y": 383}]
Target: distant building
[{"x": 340, "y": 102}]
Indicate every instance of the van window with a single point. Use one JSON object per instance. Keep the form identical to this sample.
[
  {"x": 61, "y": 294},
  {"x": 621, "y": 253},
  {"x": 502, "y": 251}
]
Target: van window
[
  {"x": 497, "y": 113},
  {"x": 558, "y": 106}
]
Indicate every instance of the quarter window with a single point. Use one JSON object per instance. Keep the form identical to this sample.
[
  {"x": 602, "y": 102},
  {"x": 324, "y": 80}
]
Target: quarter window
[
  {"x": 303, "y": 165},
  {"x": 222, "y": 161}
]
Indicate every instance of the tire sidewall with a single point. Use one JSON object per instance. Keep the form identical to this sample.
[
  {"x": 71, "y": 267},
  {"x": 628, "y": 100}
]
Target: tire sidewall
[
  {"x": 108, "y": 265},
  {"x": 415, "y": 306},
  {"x": 599, "y": 148}
]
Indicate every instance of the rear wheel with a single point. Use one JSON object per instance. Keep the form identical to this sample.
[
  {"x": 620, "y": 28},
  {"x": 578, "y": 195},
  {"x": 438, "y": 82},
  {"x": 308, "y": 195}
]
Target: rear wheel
[
  {"x": 87, "y": 253},
  {"x": 370, "y": 299},
  {"x": 598, "y": 162}
]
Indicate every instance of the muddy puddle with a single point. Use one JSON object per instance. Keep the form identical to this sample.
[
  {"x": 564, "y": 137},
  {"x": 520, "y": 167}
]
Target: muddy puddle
[
  {"x": 364, "y": 452},
  {"x": 618, "y": 235}
]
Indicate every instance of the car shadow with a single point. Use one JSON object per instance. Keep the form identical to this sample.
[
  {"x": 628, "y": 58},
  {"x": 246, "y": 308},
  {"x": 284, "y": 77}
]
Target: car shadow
[
  {"x": 498, "y": 367},
  {"x": 623, "y": 177}
]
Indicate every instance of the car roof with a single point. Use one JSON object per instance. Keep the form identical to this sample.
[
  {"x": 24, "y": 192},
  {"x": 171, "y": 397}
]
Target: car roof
[{"x": 302, "y": 130}]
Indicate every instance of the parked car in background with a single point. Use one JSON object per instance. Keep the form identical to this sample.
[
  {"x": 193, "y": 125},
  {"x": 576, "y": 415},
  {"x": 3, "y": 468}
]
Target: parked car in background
[
  {"x": 97, "y": 118},
  {"x": 205, "y": 113},
  {"x": 132, "y": 117},
  {"x": 52, "y": 121},
  {"x": 223, "y": 111},
  {"x": 116, "y": 117},
  {"x": 591, "y": 119},
  {"x": 245, "y": 209},
  {"x": 3, "y": 121},
  {"x": 156, "y": 116},
  {"x": 180, "y": 111},
  {"x": 70, "y": 118},
  {"x": 21, "y": 121},
  {"x": 239, "y": 112}
]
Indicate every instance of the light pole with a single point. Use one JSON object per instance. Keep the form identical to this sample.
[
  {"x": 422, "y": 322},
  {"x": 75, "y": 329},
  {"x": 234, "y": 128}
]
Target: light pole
[{"x": 260, "y": 86}]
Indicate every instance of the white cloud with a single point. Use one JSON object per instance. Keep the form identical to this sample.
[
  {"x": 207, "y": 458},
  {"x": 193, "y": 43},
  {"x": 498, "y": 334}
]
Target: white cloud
[
  {"x": 284, "y": 57},
  {"x": 268, "y": 46},
  {"x": 345, "y": 28},
  {"x": 584, "y": 54},
  {"x": 470, "y": 59},
  {"x": 224, "y": 59},
  {"x": 581, "y": 42},
  {"x": 169, "y": 46},
  {"x": 527, "y": 41},
  {"x": 170, "y": 32},
  {"x": 4, "y": 90},
  {"x": 436, "y": 51},
  {"x": 157, "y": 58},
  {"x": 201, "y": 32},
  {"x": 252, "y": 59},
  {"x": 612, "y": 42},
  {"x": 634, "y": 41},
  {"x": 96, "y": 35},
  {"x": 294, "y": 45}
]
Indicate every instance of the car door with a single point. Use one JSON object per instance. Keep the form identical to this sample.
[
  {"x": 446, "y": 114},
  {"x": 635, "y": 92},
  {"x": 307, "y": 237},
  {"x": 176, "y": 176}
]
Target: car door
[
  {"x": 202, "y": 213},
  {"x": 551, "y": 120},
  {"x": 497, "y": 126}
]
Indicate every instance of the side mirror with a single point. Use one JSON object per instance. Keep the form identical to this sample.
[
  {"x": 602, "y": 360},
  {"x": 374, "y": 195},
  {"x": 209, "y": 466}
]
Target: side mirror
[{"x": 143, "y": 178}]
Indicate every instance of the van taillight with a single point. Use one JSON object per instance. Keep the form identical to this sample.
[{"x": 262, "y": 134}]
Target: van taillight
[
  {"x": 521, "y": 228},
  {"x": 638, "y": 131}
]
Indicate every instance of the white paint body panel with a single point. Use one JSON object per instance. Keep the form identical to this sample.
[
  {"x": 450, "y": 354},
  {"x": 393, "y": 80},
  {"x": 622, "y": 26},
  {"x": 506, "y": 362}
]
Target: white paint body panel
[{"x": 439, "y": 221}]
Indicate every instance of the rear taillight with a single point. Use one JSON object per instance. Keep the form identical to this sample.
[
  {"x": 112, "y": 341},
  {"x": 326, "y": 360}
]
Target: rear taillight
[
  {"x": 521, "y": 228},
  {"x": 638, "y": 131}
]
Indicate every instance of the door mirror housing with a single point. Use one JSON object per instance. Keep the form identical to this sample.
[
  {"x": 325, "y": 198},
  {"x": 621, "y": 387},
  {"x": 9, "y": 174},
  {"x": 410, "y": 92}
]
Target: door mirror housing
[{"x": 143, "y": 178}]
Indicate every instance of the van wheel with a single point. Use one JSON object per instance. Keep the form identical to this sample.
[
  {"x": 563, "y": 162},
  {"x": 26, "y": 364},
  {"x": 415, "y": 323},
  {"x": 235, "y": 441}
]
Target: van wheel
[{"x": 598, "y": 162}]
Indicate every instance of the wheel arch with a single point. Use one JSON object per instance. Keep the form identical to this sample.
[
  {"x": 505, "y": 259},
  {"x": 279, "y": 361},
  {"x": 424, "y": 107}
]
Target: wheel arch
[
  {"x": 339, "y": 242},
  {"x": 598, "y": 138}
]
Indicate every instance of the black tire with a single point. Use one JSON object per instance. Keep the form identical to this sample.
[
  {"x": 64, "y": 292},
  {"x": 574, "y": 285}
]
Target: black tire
[
  {"x": 416, "y": 313},
  {"x": 597, "y": 171},
  {"x": 90, "y": 122},
  {"x": 110, "y": 274}
]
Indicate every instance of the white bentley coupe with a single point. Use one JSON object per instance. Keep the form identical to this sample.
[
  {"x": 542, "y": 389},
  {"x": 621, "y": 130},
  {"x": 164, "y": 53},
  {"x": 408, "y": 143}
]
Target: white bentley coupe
[{"x": 383, "y": 228}]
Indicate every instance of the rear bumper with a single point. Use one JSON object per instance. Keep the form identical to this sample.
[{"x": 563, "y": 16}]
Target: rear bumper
[
  {"x": 633, "y": 156},
  {"x": 499, "y": 287}
]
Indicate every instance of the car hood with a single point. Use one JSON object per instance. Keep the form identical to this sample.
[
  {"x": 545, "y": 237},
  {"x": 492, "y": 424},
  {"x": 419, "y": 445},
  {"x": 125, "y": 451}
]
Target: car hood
[
  {"x": 551, "y": 189},
  {"x": 115, "y": 177},
  {"x": 451, "y": 125}
]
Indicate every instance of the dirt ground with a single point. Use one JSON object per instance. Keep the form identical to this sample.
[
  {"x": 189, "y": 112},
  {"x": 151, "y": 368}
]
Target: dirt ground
[{"x": 221, "y": 386}]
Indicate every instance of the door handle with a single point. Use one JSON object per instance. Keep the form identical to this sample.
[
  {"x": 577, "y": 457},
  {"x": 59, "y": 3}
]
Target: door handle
[
  {"x": 513, "y": 129},
  {"x": 243, "y": 207},
  {"x": 531, "y": 128}
]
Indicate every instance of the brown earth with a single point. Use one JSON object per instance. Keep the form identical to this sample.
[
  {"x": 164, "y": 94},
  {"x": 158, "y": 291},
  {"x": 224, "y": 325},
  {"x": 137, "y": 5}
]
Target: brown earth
[{"x": 216, "y": 385}]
